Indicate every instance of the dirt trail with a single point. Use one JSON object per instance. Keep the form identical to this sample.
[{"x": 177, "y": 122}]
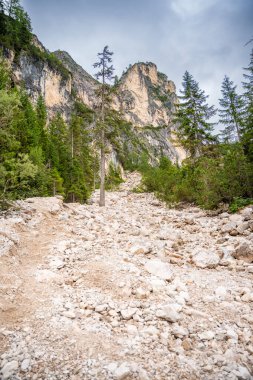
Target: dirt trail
[{"x": 130, "y": 291}]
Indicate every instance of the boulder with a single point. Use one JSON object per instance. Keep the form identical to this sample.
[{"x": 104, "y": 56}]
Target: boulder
[
  {"x": 244, "y": 252},
  {"x": 9, "y": 369},
  {"x": 159, "y": 269},
  {"x": 169, "y": 313},
  {"x": 206, "y": 259}
]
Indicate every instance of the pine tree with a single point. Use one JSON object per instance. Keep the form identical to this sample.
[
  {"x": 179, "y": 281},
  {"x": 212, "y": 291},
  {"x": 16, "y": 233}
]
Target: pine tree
[
  {"x": 16, "y": 28},
  {"x": 2, "y": 6},
  {"x": 231, "y": 112},
  {"x": 247, "y": 137},
  {"x": 105, "y": 73},
  {"x": 192, "y": 115}
]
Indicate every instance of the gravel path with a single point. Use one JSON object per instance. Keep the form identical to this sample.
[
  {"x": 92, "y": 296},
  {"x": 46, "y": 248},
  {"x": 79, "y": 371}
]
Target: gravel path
[{"x": 130, "y": 291}]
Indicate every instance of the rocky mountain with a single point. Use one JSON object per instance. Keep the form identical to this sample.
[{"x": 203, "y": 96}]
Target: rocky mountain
[{"x": 145, "y": 97}]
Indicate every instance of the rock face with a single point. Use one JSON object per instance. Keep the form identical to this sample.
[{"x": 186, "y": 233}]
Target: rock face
[
  {"x": 145, "y": 97},
  {"x": 57, "y": 89}
]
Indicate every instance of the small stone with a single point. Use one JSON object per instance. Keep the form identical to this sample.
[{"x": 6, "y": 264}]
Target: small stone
[
  {"x": 231, "y": 334},
  {"x": 206, "y": 335},
  {"x": 101, "y": 308},
  {"x": 128, "y": 313},
  {"x": 122, "y": 372},
  {"x": 179, "y": 331},
  {"x": 159, "y": 269},
  {"x": 206, "y": 259},
  {"x": 186, "y": 344},
  {"x": 157, "y": 284},
  {"x": 132, "y": 330},
  {"x": 141, "y": 293},
  {"x": 229, "y": 227},
  {"x": 140, "y": 250},
  {"x": 244, "y": 252},
  {"x": 25, "y": 365},
  {"x": 221, "y": 292},
  {"x": 242, "y": 373},
  {"x": 169, "y": 313},
  {"x": 242, "y": 227},
  {"x": 69, "y": 314},
  {"x": 9, "y": 369},
  {"x": 143, "y": 374}
]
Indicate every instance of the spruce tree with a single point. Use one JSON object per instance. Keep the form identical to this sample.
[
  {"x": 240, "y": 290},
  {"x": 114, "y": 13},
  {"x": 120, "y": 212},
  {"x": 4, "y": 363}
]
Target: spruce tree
[
  {"x": 105, "y": 73},
  {"x": 192, "y": 115},
  {"x": 231, "y": 111},
  {"x": 247, "y": 137}
]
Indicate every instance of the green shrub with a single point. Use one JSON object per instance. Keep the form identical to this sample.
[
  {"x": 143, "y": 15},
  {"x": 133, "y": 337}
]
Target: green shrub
[
  {"x": 239, "y": 203},
  {"x": 113, "y": 178}
]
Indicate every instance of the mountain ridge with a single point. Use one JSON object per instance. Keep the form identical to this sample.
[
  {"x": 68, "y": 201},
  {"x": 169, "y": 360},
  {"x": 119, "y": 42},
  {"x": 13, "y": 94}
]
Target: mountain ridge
[{"x": 145, "y": 97}]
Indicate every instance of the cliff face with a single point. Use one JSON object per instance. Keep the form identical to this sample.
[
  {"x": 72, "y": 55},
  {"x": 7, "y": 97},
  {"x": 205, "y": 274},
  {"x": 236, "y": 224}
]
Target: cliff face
[{"x": 145, "y": 97}]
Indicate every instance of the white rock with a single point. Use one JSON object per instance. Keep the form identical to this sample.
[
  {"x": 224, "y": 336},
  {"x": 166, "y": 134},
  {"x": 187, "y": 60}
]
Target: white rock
[
  {"x": 179, "y": 331},
  {"x": 69, "y": 314},
  {"x": 143, "y": 374},
  {"x": 242, "y": 227},
  {"x": 206, "y": 335},
  {"x": 206, "y": 259},
  {"x": 140, "y": 249},
  {"x": 149, "y": 331},
  {"x": 128, "y": 313},
  {"x": 242, "y": 373},
  {"x": 132, "y": 330},
  {"x": 159, "y": 269},
  {"x": 168, "y": 234},
  {"x": 9, "y": 369},
  {"x": 231, "y": 334},
  {"x": 122, "y": 372},
  {"x": 141, "y": 293},
  {"x": 101, "y": 308},
  {"x": 229, "y": 227},
  {"x": 169, "y": 313},
  {"x": 221, "y": 292},
  {"x": 157, "y": 284},
  {"x": 5, "y": 245},
  {"x": 25, "y": 365}
]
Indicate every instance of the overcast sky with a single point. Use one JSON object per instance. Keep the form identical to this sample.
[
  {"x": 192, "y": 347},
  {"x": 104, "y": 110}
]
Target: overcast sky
[{"x": 205, "y": 37}]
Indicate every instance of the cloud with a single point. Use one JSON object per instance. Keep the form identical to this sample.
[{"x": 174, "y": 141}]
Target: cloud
[
  {"x": 205, "y": 37},
  {"x": 185, "y": 8}
]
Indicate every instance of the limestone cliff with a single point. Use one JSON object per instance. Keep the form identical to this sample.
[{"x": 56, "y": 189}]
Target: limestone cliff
[{"x": 145, "y": 97}]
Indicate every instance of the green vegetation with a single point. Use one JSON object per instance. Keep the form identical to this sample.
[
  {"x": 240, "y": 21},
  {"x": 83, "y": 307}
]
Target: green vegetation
[
  {"x": 40, "y": 161},
  {"x": 113, "y": 178},
  {"x": 16, "y": 35},
  {"x": 215, "y": 172},
  {"x": 218, "y": 177},
  {"x": 41, "y": 158},
  {"x": 192, "y": 116}
]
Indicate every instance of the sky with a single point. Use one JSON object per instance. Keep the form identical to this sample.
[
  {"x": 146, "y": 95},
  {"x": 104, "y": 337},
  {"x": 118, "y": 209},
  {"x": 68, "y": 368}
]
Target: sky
[{"x": 205, "y": 37}]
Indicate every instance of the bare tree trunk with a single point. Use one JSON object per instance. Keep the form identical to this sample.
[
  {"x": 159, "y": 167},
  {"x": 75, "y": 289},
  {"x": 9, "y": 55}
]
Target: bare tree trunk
[
  {"x": 102, "y": 170},
  {"x": 102, "y": 164}
]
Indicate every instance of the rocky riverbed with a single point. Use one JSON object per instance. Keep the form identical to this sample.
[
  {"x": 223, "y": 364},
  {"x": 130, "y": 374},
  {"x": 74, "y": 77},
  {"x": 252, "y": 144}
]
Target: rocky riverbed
[{"x": 130, "y": 291}]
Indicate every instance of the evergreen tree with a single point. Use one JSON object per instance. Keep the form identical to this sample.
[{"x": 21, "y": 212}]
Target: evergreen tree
[
  {"x": 15, "y": 26},
  {"x": 231, "y": 112},
  {"x": 247, "y": 137},
  {"x": 193, "y": 113},
  {"x": 2, "y": 6},
  {"x": 105, "y": 73}
]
